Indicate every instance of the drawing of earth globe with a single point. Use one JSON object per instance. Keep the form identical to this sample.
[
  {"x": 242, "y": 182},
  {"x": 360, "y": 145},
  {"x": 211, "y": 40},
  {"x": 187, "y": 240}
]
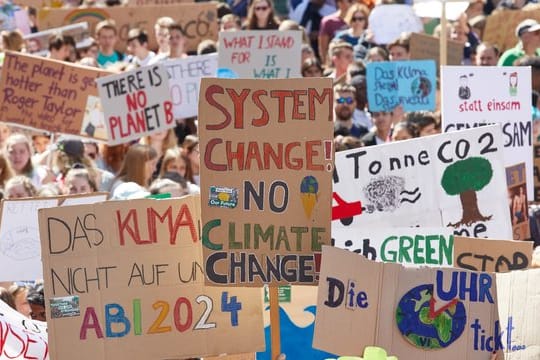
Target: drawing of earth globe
[
  {"x": 423, "y": 331},
  {"x": 421, "y": 86},
  {"x": 21, "y": 243}
]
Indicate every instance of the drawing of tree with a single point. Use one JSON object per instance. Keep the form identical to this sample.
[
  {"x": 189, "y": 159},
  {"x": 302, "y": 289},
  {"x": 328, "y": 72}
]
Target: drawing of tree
[{"x": 466, "y": 177}]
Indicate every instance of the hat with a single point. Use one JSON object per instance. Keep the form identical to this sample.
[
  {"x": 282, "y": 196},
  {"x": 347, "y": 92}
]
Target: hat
[
  {"x": 129, "y": 191},
  {"x": 526, "y": 26},
  {"x": 71, "y": 147}
]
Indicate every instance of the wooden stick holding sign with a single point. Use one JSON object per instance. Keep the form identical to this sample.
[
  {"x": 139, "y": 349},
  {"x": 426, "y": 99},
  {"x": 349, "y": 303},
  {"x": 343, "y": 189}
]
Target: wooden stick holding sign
[{"x": 275, "y": 329}]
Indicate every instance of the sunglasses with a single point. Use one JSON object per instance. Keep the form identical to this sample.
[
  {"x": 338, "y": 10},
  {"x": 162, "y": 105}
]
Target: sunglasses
[
  {"x": 261, "y": 8},
  {"x": 345, "y": 100},
  {"x": 358, "y": 19}
]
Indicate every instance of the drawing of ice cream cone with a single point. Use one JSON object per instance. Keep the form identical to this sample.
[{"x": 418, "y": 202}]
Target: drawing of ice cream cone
[{"x": 309, "y": 188}]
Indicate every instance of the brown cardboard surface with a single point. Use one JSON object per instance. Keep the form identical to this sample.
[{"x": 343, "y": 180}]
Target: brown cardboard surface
[
  {"x": 269, "y": 206},
  {"x": 388, "y": 285},
  {"x": 199, "y": 20},
  {"x": 146, "y": 257},
  {"x": 491, "y": 255},
  {"x": 501, "y": 25},
  {"x": 46, "y": 94},
  {"x": 423, "y": 46}
]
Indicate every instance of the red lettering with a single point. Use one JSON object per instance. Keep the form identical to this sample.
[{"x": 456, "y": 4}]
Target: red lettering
[
  {"x": 114, "y": 121},
  {"x": 21, "y": 340},
  {"x": 136, "y": 100},
  {"x": 152, "y": 225},
  {"x": 238, "y": 103},
  {"x": 297, "y": 165},
  {"x": 269, "y": 152},
  {"x": 263, "y": 120},
  {"x": 297, "y": 102},
  {"x": 169, "y": 117},
  {"x": 208, "y": 156},
  {"x": 184, "y": 218},
  {"x": 28, "y": 342},
  {"x": 209, "y": 96},
  {"x": 281, "y": 95},
  {"x": 90, "y": 321},
  {"x": 238, "y": 155},
  {"x": 311, "y": 153},
  {"x": 124, "y": 225},
  {"x": 314, "y": 94},
  {"x": 253, "y": 154}
]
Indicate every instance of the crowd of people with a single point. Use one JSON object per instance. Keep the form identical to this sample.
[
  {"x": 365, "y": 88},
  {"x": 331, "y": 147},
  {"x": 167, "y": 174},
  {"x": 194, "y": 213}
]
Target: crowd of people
[{"x": 338, "y": 43}]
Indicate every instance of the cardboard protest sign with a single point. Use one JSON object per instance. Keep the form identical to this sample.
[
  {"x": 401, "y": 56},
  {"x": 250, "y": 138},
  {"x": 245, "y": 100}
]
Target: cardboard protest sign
[
  {"x": 501, "y": 25},
  {"x": 454, "y": 180},
  {"x": 185, "y": 80},
  {"x": 518, "y": 301},
  {"x": 20, "y": 249},
  {"x": 478, "y": 95},
  {"x": 20, "y": 337},
  {"x": 129, "y": 275},
  {"x": 411, "y": 84},
  {"x": 198, "y": 20},
  {"x": 382, "y": 15},
  {"x": 491, "y": 255},
  {"x": 296, "y": 325},
  {"x": 517, "y": 199},
  {"x": 47, "y": 94},
  {"x": 156, "y": 2},
  {"x": 38, "y": 43},
  {"x": 410, "y": 246},
  {"x": 266, "y": 219},
  {"x": 265, "y": 54},
  {"x": 136, "y": 103},
  {"x": 423, "y": 47},
  {"x": 421, "y": 313}
]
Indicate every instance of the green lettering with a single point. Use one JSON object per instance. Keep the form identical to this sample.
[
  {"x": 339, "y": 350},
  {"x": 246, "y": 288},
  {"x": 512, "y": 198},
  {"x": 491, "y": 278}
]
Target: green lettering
[
  {"x": 430, "y": 250},
  {"x": 298, "y": 230},
  {"x": 233, "y": 244},
  {"x": 418, "y": 250},
  {"x": 258, "y": 233},
  {"x": 390, "y": 252},
  {"x": 404, "y": 249},
  {"x": 247, "y": 236},
  {"x": 445, "y": 249},
  {"x": 282, "y": 236},
  {"x": 316, "y": 244},
  {"x": 206, "y": 232}
]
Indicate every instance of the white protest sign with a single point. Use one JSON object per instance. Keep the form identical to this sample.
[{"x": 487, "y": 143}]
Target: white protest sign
[
  {"x": 38, "y": 43},
  {"x": 20, "y": 337},
  {"x": 455, "y": 180},
  {"x": 20, "y": 248},
  {"x": 185, "y": 79},
  {"x": 410, "y": 246},
  {"x": 266, "y": 54},
  {"x": 136, "y": 103},
  {"x": 402, "y": 18},
  {"x": 478, "y": 95}
]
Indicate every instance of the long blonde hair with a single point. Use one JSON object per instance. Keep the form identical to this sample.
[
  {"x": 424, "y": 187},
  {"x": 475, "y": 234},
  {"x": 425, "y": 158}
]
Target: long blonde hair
[{"x": 134, "y": 166}]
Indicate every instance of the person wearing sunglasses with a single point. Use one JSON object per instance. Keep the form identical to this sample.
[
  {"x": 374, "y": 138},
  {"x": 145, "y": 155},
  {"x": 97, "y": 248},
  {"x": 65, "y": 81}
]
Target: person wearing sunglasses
[
  {"x": 261, "y": 16},
  {"x": 357, "y": 22},
  {"x": 344, "y": 106}
]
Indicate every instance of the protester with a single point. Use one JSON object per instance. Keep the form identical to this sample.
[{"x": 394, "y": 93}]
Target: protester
[
  {"x": 107, "y": 36},
  {"x": 161, "y": 32},
  {"x": 137, "y": 45},
  {"x": 311, "y": 67},
  {"x": 19, "y": 294},
  {"x": 425, "y": 122},
  {"x": 191, "y": 151},
  {"x": 79, "y": 181},
  {"x": 6, "y": 172},
  {"x": 330, "y": 25},
  {"x": 376, "y": 54},
  {"x": 138, "y": 165},
  {"x": 344, "y": 106},
  {"x": 167, "y": 186},
  {"x": 36, "y": 299},
  {"x": 487, "y": 55},
  {"x": 6, "y": 297},
  {"x": 357, "y": 21},
  {"x": 58, "y": 48},
  {"x": 19, "y": 153},
  {"x": 160, "y": 141},
  {"x": 399, "y": 49},
  {"x": 528, "y": 33},
  {"x": 175, "y": 161},
  {"x": 341, "y": 57},
  {"x": 230, "y": 22},
  {"x": 403, "y": 130},
  {"x": 19, "y": 187},
  {"x": 382, "y": 121},
  {"x": 261, "y": 16}
]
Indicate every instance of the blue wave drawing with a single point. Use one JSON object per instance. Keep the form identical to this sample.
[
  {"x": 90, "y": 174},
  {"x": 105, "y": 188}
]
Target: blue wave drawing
[{"x": 296, "y": 342}]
